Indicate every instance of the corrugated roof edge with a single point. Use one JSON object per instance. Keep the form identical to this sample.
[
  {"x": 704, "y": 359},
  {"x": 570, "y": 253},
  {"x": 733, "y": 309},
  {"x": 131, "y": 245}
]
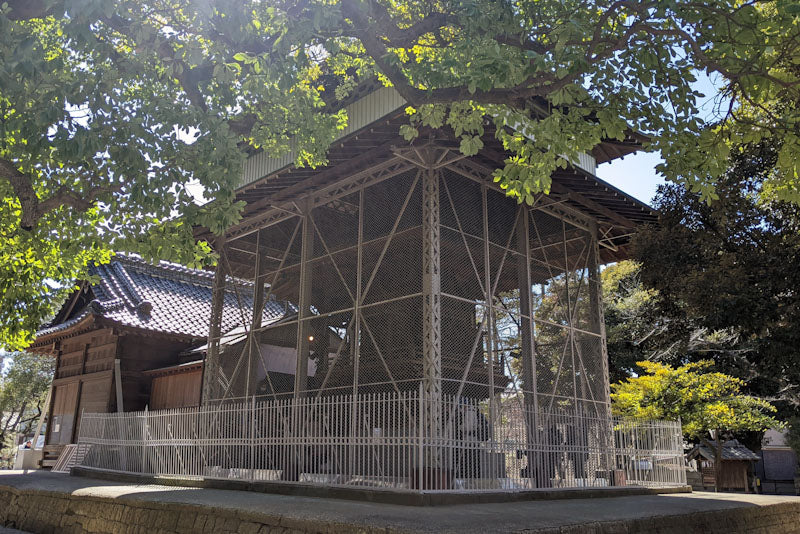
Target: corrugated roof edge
[
  {"x": 643, "y": 205},
  {"x": 372, "y": 107}
]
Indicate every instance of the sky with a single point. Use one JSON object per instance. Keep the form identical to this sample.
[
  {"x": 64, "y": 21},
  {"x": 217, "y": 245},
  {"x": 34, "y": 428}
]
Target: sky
[{"x": 635, "y": 174}]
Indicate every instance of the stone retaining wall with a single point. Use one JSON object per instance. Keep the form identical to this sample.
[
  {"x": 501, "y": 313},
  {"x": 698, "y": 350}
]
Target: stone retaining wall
[{"x": 52, "y": 512}]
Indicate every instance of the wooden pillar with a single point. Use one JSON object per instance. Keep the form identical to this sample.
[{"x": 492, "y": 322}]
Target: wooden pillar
[
  {"x": 77, "y": 413},
  {"x": 211, "y": 363},
  {"x": 118, "y": 385},
  {"x": 84, "y": 357},
  {"x": 304, "y": 302},
  {"x": 45, "y": 412},
  {"x": 52, "y": 398}
]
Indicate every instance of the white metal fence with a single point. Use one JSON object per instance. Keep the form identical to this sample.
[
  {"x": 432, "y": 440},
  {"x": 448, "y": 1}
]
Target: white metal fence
[{"x": 386, "y": 441}]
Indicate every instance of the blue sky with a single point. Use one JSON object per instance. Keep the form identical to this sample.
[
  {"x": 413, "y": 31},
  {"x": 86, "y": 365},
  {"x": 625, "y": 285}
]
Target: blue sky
[{"x": 635, "y": 174}]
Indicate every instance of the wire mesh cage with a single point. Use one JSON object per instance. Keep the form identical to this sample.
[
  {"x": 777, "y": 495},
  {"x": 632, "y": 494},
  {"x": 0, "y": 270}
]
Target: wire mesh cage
[{"x": 414, "y": 329}]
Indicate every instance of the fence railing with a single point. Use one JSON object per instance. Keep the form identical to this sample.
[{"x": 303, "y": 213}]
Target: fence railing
[{"x": 388, "y": 441}]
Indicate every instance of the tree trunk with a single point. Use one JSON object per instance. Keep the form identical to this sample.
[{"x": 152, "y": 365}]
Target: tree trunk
[
  {"x": 716, "y": 446},
  {"x": 717, "y": 460}
]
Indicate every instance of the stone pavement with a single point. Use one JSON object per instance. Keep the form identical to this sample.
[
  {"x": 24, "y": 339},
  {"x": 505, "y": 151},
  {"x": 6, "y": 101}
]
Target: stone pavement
[{"x": 39, "y": 499}]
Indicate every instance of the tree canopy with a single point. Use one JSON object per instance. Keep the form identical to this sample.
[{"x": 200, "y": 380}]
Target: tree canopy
[
  {"x": 703, "y": 400},
  {"x": 23, "y": 386},
  {"x": 725, "y": 274},
  {"x": 110, "y": 112}
]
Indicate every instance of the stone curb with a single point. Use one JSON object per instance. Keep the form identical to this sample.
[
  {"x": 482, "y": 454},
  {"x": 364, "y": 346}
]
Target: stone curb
[{"x": 48, "y": 511}]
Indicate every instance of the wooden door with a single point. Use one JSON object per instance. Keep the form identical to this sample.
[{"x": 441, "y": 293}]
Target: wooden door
[
  {"x": 64, "y": 408},
  {"x": 94, "y": 398}
]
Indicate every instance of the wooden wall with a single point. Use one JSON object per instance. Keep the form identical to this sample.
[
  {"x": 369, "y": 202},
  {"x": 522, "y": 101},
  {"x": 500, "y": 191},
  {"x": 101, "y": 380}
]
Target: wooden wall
[
  {"x": 83, "y": 382},
  {"x": 138, "y": 353},
  {"x": 732, "y": 476},
  {"x": 176, "y": 390},
  {"x": 91, "y": 352},
  {"x": 84, "y": 376}
]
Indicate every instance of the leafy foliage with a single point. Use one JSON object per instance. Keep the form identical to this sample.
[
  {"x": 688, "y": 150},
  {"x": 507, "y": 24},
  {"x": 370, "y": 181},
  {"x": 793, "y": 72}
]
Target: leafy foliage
[
  {"x": 793, "y": 435},
  {"x": 702, "y": 399},
  {"x": 640, "y": 326},
  {"x": 23, "y": 386},
  {"x": 113, "y": 115},
  {"x": 631, "y": 317},
  {"x": 727, "y": 272}
]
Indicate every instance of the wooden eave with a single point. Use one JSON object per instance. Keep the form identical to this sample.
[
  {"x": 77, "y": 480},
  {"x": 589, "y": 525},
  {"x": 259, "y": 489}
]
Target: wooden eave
[
  {"x": 175, "y": 369},
  {"x": 123, "y": 329},
  {"x": 45, "y": 344}
]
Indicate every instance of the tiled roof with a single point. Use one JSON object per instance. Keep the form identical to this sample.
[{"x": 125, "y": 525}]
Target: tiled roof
[
  {"x": 166, "y": 298},
  {"x": 731, "y": 450}
]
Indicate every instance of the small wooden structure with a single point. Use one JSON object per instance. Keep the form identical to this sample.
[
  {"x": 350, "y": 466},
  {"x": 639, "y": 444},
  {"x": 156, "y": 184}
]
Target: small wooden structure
[
  {"x": 134, "y": 321},
  {"x": 735, "y": 464}
]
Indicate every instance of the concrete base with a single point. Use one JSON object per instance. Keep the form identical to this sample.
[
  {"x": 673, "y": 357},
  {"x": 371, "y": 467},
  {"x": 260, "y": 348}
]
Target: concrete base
[
  {"x": 43, "y": 502},
  {"x": 28, "y": 459},
  {"x": 378, "y": 495}
]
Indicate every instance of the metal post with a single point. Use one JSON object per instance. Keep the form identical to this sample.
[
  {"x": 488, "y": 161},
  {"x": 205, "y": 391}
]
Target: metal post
[
  {"x": 489, "y": 303},
  {"x": 597, "y": 324},
  {"x": 258, "y": 312},
  {"x": 527, "y": 328},
  {"x": 420, "y": 433},
  {"x": 431, "y": 305},
  {"x": 356, "y": 347},
  {"x": 304, "y": 302},
  {"x": 252, "y": 463},
  {"x": 597, "y": 319},
  {"x": 144, "y": 441}
]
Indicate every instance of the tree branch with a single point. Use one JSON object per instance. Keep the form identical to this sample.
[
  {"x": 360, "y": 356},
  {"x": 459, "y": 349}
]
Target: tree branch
[
  {"x": 30, "y": 9},
  {"x": 33, "y": 208},
  {"x": 23, "y": 188}
]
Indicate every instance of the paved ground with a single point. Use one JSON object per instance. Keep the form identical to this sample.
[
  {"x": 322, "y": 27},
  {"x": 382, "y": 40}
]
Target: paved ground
[{"x": 496, "y": 517}]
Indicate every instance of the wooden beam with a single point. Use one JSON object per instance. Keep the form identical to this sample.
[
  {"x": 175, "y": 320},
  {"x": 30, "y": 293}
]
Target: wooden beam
[
  {"x": 118, "y": 384},
  {"x": 44, "y": 414}
]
